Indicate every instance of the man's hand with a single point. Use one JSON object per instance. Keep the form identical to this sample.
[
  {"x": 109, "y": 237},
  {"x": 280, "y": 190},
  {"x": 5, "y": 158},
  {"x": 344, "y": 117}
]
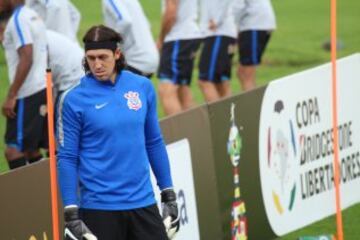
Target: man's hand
[
  {"x": 170, "y": 213},
  {"x": 75, "y": 228},
  {"x": 8, "y": 108}
]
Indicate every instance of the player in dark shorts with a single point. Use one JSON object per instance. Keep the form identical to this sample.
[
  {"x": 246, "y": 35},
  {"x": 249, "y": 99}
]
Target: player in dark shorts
[
  {"x": 255, "y": 21},
  {"x": 24, "y": 40},
  {"x": 178, "y": 41},
  {"x": 219, "y": 32},
  {"x": 106, "y": 191}
]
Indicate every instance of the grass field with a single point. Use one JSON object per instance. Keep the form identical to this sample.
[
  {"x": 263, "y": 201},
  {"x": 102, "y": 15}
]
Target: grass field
[{"x": 303, "y": 26}]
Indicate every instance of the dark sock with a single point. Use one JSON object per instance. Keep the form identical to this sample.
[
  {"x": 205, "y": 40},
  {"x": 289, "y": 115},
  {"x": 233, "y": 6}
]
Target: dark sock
[
  {"x": 18, "y": 162},
  {"x": 34, "y": 159}
]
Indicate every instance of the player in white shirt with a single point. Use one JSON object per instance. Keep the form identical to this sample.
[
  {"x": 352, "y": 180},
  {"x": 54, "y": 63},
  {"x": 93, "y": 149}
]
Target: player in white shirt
[
  {"x": 66, "y": 66},
  {"x": 255, "y": 21},
  {"x": 56, "y": 15},
  {"x": 23, "y": 37},
  {"x": 219, "y": 31},
  {"x": 128, "y": 18},
  {"x": 179, "y": 40}
]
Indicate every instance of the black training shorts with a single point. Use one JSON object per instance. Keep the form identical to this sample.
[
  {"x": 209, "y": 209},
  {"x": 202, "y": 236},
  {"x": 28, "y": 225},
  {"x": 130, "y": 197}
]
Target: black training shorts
[
  {"x": 216, "y": 56},
  {"x": 137, "y": 224},
  {"x": 28, "y": 130},
  {"x": 252, "y": 45},
  {"x": 177, "y": 61}
]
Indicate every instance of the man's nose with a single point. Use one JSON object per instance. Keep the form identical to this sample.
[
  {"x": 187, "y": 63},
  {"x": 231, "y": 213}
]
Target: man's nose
[{"x": 98, "y": 63}]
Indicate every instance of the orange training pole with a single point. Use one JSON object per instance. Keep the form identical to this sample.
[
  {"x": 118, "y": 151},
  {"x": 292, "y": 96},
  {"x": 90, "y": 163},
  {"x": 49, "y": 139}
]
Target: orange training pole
[
  {"x": 339, "y": 225},
  {"x": 53, "y": 177}
]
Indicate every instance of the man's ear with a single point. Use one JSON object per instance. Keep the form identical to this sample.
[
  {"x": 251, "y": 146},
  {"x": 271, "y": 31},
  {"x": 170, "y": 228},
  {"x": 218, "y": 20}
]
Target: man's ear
[{"x": 117, "y": 54}]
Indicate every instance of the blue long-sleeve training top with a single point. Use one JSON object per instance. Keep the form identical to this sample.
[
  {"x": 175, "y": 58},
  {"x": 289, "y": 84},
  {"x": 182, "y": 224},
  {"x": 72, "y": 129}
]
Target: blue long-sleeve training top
[{"x": 108, "y": 137}]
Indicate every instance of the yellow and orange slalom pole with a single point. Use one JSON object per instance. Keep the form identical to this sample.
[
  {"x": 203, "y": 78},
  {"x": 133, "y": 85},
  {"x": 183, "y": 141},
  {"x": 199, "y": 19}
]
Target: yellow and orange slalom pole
[
  {"x": 53, "y": 175},
  {"x": 339, "y": 224}
]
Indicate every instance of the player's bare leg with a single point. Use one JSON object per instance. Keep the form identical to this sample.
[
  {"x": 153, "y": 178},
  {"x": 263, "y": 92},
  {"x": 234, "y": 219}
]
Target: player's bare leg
[
  {"x": 169, "y": 98},
  {"x": 186, "y": 98},
  {"x": 14, "y": 157},
  {"x": 224, "y": 89},
  {"x": 209, "y": 91},
  {"x": 247, "y": 76}
]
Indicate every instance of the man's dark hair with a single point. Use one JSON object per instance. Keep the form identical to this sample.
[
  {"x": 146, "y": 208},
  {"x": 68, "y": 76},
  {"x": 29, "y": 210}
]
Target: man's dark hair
[
  {"x": 5, "y": 16},
  {"x": 102, "y": 34},
  {"x": 9, "y": 6}
]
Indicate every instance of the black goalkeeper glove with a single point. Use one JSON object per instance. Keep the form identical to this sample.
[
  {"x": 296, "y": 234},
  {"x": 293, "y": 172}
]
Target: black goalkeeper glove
[
  {"x": 75, "y": 228},
  {"x": 170, "y": 213}
]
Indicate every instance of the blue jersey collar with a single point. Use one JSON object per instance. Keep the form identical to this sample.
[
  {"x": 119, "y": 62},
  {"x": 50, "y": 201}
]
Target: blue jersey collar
[{"x": 106, "y": 82}]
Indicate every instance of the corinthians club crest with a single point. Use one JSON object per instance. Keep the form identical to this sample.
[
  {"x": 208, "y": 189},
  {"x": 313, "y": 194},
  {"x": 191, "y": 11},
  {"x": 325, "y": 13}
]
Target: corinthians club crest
[{"x": 133, "y": 100}]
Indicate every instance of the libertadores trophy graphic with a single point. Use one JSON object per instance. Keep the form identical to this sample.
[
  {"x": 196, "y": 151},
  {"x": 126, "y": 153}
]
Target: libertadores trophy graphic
[{"x": 234, "y": 144}]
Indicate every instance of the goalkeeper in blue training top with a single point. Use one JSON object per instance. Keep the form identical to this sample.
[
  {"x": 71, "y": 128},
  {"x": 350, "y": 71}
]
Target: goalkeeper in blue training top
[{"x": 108, "y": 138}]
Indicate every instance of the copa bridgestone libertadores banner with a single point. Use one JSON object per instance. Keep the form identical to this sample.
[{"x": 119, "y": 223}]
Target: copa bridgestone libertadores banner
[{"x": 296, "y": 145}]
